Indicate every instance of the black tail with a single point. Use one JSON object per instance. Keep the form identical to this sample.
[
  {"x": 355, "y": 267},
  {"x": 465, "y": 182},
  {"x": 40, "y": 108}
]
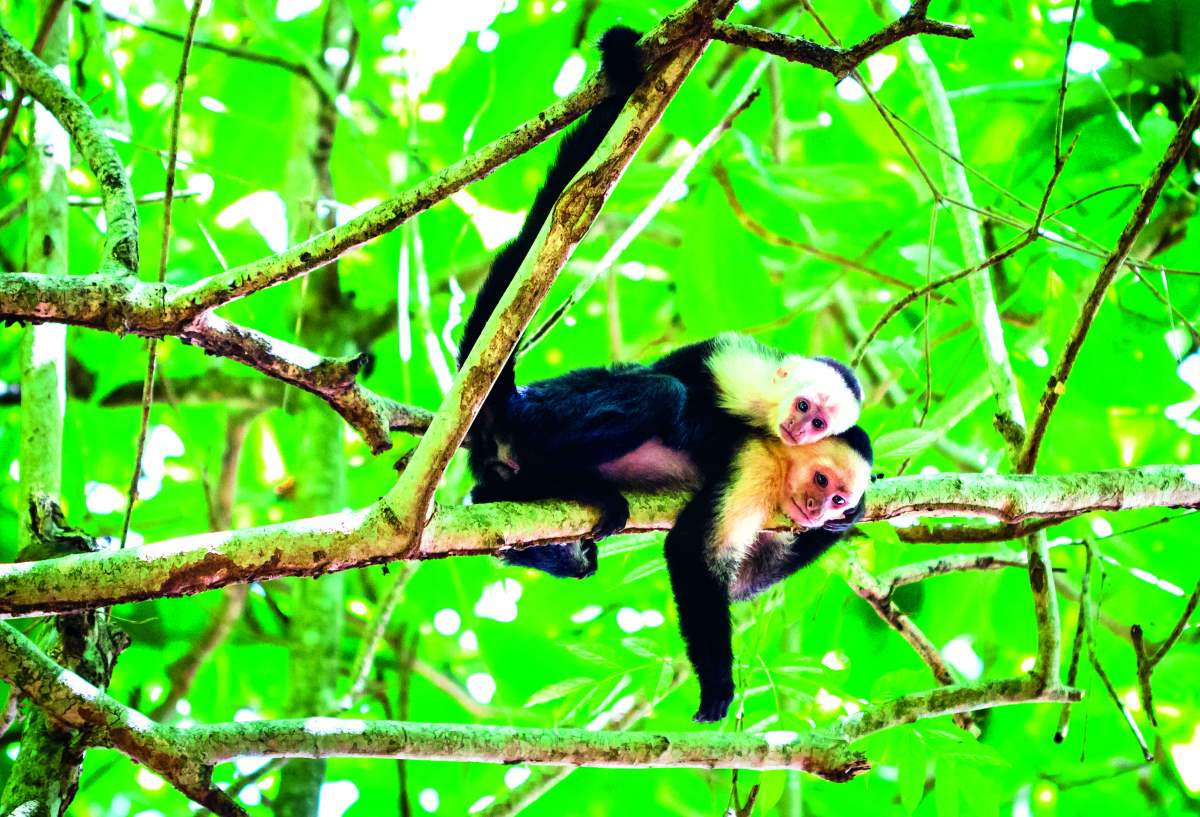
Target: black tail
[{"x": 622, "y": 63}]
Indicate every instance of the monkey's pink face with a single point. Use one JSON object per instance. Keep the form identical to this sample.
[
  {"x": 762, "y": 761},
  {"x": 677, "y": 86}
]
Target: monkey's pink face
[
  {"x": 824, "y": 481},
  {"x": 814, "y": 402},
  {"x": 806, "y": 422}
]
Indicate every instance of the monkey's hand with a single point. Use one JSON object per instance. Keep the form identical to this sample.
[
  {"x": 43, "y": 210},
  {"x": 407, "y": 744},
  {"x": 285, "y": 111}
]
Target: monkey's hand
[
  {"x": 614, "y": 516},
  {"x": 714, "y": 703}
]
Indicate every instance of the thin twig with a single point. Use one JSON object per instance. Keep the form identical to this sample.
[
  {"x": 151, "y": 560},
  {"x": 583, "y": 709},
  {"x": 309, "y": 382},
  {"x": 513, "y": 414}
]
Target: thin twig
[
  {"x": 152, "y": 350},
  {"x": 1057, "y": 384}
]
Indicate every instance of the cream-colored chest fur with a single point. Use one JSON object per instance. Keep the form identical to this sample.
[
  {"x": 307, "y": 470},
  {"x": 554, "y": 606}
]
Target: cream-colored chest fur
[{"x": 759, "y": 474}]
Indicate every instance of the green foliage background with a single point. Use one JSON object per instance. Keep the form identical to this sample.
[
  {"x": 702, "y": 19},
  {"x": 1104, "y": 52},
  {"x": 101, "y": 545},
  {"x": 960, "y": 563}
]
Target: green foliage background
[{"x": 805, "y": 163}]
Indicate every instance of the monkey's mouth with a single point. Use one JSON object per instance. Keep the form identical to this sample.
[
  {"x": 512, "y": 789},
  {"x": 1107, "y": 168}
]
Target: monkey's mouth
[
  {"x": 788, "y": 436},
  {"x": 798, "y": 514}
]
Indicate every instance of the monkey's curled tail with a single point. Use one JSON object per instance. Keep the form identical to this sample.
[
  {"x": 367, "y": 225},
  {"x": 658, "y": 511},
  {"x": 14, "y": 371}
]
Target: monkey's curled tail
[{"x": 622, "y": 64}]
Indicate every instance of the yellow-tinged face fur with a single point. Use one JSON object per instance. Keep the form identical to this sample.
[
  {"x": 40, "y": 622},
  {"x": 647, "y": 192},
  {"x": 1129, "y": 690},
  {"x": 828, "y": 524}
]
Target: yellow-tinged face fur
[
  {"x": 799, "y": 400},
  {"x": 812, "y": 401},
  {"x": 810, "y": 484},
  {"x": 823, "y": 481}
]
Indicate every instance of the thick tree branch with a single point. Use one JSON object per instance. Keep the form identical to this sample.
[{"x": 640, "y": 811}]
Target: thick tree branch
[
  {"x": 310, "y": 547},
  {"x": 75, "y": 703},
  {"x": 120, "y": 211}
]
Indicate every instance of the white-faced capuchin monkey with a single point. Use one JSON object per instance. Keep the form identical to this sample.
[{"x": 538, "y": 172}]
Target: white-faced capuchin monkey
[{"x": 684, "y": 421}]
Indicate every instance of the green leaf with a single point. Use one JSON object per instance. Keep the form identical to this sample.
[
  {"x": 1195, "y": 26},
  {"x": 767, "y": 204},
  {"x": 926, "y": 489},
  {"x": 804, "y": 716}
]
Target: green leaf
[
  {"x": 904, "y": 443},
  {"x": 560, "y": 689},
  {"x": 770, "y": 788}
]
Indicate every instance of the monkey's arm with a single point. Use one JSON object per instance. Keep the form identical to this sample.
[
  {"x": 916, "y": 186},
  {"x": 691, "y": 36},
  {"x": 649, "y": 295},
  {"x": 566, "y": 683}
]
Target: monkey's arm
[
  {"x": 775, "y": 556},
  {"x": 702, "y": 600}
]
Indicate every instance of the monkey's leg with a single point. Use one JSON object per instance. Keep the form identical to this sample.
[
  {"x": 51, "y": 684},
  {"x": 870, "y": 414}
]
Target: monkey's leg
[{"x": 702, "y": 599}]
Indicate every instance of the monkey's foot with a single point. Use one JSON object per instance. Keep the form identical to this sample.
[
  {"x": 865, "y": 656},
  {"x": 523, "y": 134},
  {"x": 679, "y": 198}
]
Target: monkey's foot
[
  {"x": 714, "y": 706},
  {"x": 614, "y": 516}
]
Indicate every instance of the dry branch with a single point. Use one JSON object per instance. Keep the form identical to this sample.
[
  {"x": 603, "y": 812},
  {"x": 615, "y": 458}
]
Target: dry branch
[{"x": 837, "y": 61}]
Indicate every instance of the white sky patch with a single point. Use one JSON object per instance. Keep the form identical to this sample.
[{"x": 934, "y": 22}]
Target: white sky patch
[
  {"x": 570, "y": 75},
  {"x": 1062, "y": 14},
  {"x": 148, "y": 780},
  {"x": 827, "y": 701},
  {"x": 447, "y": 621},
  {"x": 748, "y": 5},
  {"x": 1161, "y": 584},
  {"x": 1189, "y": 370},
  {"x": 495, "y": 227},
  {"x": 1191, "y": 473},
  {"x": 184, "y": 707},
  {"x": 431, "y": 112},
  {"x": 499, "y": 601},
  {"x": 336, "y": 56},
  {"x": 273, "y": 469},
  {"x": 1187, "y": 761},
  {"x": 834, "y": 660},
  {"x": 245, "y": 715},
  {"x": 881, "y": 66},
  {"x": 1085, "y": 59},
  {"x": 336, "y": 798},
  {"x": 359, "y": 608},
  {"x": 900, "y": 5},
  {"x": 250, "y": 765},
  {"x": 629, "y": 620},
  {"x": 432, "y": 32},
  {"x": 652, "y": 618},
  {"x": 516, "y": 776},
  {"x": 14, "y": 471},
  {"x": 779, "y": 737},
  {"x": 487, "y": 40},
  {"x": 1039, "y": 357},
  {"x": 291, "y": 9},
  {"x": 587, "y": 614},
  {"x": 482, "y": 687},
  {"x": 849, "y": 90},
  {"x": 468, "y": 641},
  {"x": 102, "y": 498},
  {"x": 213, "y": 104},
  {"x": 429, "y": 800},
  {"x": 153, "y": 94},
  {"x": 265, "y": 211},
  {"x": 1102, "y": 528},
  {"x": 482, "y": 803},
  {"x": 930, "y": 470},
  {"x": 202, "y": 185},
  {"x": 824, "y": 119},
  {"x": 959, "y": 653}
]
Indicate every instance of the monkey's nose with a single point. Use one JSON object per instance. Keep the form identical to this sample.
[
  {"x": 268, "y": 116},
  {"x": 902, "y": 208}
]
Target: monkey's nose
[{"x": 810, "y": 503}]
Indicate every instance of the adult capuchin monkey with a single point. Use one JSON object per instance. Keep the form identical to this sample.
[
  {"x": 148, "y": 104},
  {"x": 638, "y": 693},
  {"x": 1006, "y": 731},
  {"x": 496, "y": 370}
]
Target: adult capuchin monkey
[{"x": 737, "y": 420}]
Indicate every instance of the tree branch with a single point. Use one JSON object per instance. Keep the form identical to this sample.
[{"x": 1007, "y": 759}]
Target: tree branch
[
  {"x": 837, "y": 61},
  {"x": 317, "y": 545},
  {"x": 120, "y": 211},
  {"x": 1057, "y": 384}
]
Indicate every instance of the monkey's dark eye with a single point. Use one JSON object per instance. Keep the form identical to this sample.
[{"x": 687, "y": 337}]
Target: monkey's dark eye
[
  {"x": 818, "y": 423},
  {"x": 839, "y": 501},
  {"x": 821, "y": 479},
  {"x": 802, "y": 405}
]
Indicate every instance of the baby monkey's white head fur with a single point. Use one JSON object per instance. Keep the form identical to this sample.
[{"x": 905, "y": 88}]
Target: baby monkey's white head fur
[{"x": 798, "y": 399}]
